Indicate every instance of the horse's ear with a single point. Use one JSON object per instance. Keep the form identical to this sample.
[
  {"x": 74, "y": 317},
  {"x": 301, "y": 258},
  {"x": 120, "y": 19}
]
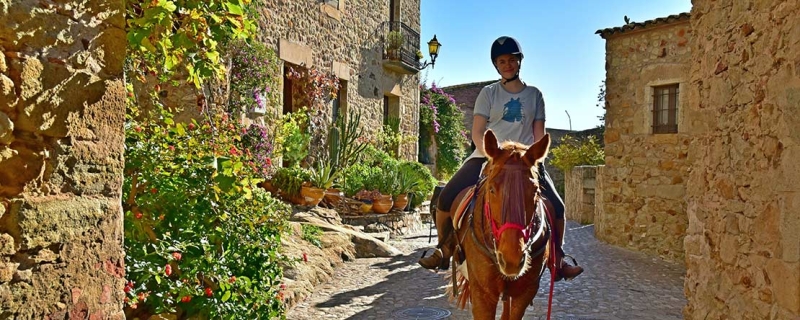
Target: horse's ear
[
  {"x": 538, "y": 150},
  {"x": 490, "y": 146}
]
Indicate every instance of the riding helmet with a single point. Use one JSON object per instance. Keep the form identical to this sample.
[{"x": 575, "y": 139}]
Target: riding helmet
[{"x": 506, "y": 45}]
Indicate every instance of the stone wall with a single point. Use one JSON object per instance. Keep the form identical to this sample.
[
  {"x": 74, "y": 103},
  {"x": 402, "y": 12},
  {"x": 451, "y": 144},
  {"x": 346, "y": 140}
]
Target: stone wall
[
  {"x": 347, "y": 41},
  {"x": 579, "y": 195},
  {"x": 62, "y": 107},
  {"x": 743, "y": 242},
  {"x": 644, "y": 206}
]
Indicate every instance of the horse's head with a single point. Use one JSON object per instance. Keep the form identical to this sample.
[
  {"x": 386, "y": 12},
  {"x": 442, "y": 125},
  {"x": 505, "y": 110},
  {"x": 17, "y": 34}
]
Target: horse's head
[{"x": 510, "y": 193}]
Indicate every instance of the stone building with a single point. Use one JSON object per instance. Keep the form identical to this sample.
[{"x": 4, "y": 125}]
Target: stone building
[
  {"x": 743, "y": 200},
  {"x": 352, "y": 39},
  {"x": 62, "y": 107},
  {"x": 646, "y": 141},
  {"x": 719, "y": 191}
]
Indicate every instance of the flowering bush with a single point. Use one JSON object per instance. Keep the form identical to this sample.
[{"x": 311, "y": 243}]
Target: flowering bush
[
  {"x": 442, "y": 121},
  {"x": 256, "y": 142},
  {"x": 194, "y": 221},
  {"x": 255, "y": 76}
]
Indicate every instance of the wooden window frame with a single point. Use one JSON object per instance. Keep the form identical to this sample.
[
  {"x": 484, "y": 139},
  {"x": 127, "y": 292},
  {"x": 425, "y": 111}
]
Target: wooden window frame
[{"x": 672, "y": 92}]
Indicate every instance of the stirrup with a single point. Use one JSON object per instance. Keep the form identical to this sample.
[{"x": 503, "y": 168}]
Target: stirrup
[{"x": 560, "y": 268}]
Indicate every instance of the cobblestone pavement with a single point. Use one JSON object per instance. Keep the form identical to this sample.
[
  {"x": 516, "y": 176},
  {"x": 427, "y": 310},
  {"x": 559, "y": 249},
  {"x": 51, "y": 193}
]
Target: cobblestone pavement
[{"x": 616, "y": 284}]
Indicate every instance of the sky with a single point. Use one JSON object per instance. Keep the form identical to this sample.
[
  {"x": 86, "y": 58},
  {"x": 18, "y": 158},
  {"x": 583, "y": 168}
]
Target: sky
[{"x": 564, "y": 57}]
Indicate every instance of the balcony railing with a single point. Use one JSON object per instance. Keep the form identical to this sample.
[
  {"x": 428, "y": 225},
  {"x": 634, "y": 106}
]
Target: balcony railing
[{"x": 400, "y": 47}]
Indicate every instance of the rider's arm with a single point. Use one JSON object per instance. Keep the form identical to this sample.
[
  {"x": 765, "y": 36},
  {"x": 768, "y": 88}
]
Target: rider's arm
[
  {"x": 538, "y": 130},
  {"x": 538, "y": 119},
  {"x": 480, "y": 118},
  {"x": 478, "y": 129}
]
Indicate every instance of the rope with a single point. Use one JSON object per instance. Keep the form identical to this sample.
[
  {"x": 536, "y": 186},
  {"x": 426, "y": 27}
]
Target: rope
[{"x": 552, "y": 262}]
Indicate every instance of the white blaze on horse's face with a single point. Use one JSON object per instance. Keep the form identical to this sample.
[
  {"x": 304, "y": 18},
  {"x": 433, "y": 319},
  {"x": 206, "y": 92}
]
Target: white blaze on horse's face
[{"x": 510, "y": 202}]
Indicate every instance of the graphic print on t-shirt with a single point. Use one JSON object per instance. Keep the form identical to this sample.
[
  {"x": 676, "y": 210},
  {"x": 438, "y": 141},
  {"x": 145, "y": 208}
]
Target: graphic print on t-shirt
[{"x": 512, "y": 111}]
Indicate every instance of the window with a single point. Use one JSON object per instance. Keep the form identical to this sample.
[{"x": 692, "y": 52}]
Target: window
[
  {"x": 385, "y": 108},
  {"x": 665, "y": 109},
  {"x": 339, "y": 103},
  {"x": 288, "y": 103}
]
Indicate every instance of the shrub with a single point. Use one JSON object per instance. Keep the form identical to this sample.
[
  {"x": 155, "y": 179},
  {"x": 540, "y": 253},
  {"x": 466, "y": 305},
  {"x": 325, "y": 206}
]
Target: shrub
[{"x": 574, "y": 152}]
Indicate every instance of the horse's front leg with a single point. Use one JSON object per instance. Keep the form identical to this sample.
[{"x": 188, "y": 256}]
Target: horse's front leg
[
  {"x": 525, "y": 289},
  {"x": 484, "y": 302}
]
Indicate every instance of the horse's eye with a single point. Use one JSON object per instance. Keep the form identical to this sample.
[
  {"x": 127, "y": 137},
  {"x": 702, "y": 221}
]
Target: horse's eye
[{"x": 491, "y": 190}]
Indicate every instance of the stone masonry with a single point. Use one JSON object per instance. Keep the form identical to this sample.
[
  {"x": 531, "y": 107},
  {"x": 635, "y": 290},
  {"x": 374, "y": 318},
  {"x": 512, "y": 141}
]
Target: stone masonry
[
  {"x": 62, "y": 107},
  {"x": 643, "y": 206},
  {"x": 346, "y": 40},
  {"x": 743, "y": 237},
  {"x": 579, "y": 195}
]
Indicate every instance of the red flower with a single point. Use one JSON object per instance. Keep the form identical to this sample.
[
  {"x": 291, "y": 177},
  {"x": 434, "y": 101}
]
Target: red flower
[
  {"x": 138, "y": 215},
  {"x": 127, "y": 289},
  {"x": 232, "y": 279},
  {"x": 176, "y": 255},
  {"x": 209, "y": 293},
  {"x": 168, "y": 270},
  {"x": 269, "y": 161},
  {"x": 138, "y": 129},
  {"x": 171, "y": 148},
  {"x": 186, "y": 299},
  {"x": 191, "y": 126},
  {"x": 153, "y": 190},
  {"x": 283, "y": 286},
  {"x": 305, "y": 257}
]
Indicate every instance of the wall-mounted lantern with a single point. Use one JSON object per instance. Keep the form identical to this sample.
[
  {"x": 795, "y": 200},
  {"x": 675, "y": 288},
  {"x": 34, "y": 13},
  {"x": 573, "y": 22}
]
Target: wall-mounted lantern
[{"x": 433, "y": 51}]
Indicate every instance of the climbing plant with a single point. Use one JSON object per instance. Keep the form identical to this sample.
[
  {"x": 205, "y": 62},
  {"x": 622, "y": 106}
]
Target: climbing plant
[
  {"x": 441, "y": 121},
  {"x": 164, "y": 36}
]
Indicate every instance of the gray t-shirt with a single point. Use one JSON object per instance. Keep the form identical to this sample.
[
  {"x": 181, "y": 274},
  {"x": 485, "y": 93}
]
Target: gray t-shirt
[{"x": 509, "y": 115}]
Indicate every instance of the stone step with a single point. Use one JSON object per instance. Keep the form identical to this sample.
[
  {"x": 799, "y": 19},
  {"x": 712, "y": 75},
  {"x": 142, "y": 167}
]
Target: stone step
[{"x": 382, "y": 236}]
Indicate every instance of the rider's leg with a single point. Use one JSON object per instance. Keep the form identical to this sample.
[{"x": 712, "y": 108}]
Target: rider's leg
[
  {"x": 564, "y": 270},
  {"x": 466, "y": 176}
]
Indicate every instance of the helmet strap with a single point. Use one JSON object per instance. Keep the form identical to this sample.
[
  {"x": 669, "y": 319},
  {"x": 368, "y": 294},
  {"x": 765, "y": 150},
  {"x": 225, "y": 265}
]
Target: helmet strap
[{"x": 515, "y": 77}]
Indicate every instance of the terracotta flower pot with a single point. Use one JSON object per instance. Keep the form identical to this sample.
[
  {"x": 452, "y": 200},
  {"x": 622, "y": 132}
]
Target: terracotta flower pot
[
  {"x": 267, "y": 185},
  {"x": 401, "y": 201},
  {"x": 333, "y": 196},
  {"x": 382, "y": 204},
  {"x": 312, "y": 196}
]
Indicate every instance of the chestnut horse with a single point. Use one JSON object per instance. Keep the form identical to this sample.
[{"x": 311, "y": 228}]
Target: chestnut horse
[{"x": 502, "y": 235}]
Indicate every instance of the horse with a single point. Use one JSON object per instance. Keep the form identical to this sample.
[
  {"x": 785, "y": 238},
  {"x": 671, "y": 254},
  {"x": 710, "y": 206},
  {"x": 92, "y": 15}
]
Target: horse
[{"x": 500, "y": 245}]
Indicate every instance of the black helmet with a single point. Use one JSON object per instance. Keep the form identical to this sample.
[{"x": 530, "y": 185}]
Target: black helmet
[{"x": 505, "y": 45}]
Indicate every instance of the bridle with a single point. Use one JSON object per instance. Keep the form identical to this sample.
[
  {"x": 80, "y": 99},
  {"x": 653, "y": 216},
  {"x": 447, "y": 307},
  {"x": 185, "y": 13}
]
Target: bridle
[{"x": 536, "y": 223}]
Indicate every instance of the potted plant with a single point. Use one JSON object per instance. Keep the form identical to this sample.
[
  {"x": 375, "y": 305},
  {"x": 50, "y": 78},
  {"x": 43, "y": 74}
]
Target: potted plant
[
  {"x": 406, "y": 183},
  {"x": 394, "y": 40},
  {"x": 289, "y": 182},
  {"x": 367, "y": 199},
  {"x": 385, "y": 179},
  {"x": 320, "y": 179}
]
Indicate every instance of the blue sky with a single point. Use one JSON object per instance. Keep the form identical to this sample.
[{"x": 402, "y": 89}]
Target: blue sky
[{"x": 564, "y": 57}]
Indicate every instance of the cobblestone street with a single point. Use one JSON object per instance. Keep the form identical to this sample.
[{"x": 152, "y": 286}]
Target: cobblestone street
[{"x": 617, "y": 284}]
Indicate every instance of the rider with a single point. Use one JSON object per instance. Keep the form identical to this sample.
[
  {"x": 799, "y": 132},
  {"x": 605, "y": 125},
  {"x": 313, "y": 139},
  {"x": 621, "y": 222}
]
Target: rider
[{"x": 514, "y": 111}]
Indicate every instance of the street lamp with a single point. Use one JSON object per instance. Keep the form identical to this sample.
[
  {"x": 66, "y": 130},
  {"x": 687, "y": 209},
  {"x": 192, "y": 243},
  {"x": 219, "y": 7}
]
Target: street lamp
[{"x": 433, "y": 51}]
